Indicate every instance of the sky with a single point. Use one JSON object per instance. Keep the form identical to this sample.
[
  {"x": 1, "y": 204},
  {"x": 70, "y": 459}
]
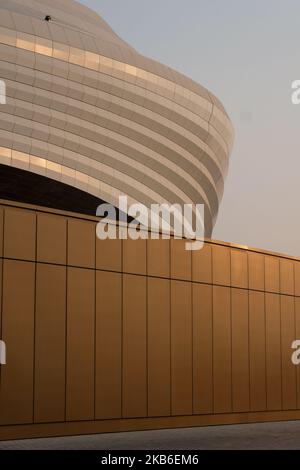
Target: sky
[{"x": 248, "y": 54}]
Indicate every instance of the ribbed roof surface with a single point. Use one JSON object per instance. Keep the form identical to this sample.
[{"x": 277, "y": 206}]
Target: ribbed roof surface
[{"x": 77, "y": 17}]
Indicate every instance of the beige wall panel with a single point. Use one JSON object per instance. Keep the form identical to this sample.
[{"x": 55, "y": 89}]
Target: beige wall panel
[
  {"x": 81, "y": 243},
  {"x": 240, "y": 350},
  {"x": 80, "y": 344},
  {"x": 181, "y": 260},
  {"x": 158, "y": 258},
  {"x": 286, "y": 277},
  {"x": 108, "y": 378},
  {"x": 273, "y": 352},
  {"x": 181, "y": 348},
  {"x": 272, "y": 283},
  {"x": 256, "y": 269},
  {"x": 257, "y": 348},
  {"x": 202, "y": 264},
  {"x": 221, "y": 265},
  {"x": 16, "y": 390},
  {"x": 202, "y": 349},
  {"x": 135, "y": 256},
  {"x": 222, "y": 374},
  {"x": 50, "y": 343},
  {"x": 159, "y": 372},
  {"x": 134, "y": 387},
  {"x": 109, "y": 254},
  {"x": 239, "y": 268},
  {"x": 51, "y": 239},
  {"x": 19, "y": 234},
  {"x": 297, "y": 277},
  {"x": 297, "y": 336},
  {"x": 288, "y": 332}
]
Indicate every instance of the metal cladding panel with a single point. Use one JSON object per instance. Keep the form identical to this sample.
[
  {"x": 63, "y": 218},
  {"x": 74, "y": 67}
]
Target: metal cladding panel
[
  {"x": 273, "y": 352},
  {"x": 222, "y": 360},
  {"x": 52, "y": 239},
  {"x": 108, "y": 345},
  {"x": 16, "y": 391},
  {"x": 202, "y": 349},
  {"x": 50, "y": 344},
  {"x": 202, "y": 264},
  {"x": 257, "y": 346},
  {"x": 289, "y": 390},
  {"x": 80, "y": 345},
  {"x": 158, "y": 344},
  {"x": 134, "y": 386},
  {"x": 181, "y": 349},
  {"x": 240, "y": 350}
]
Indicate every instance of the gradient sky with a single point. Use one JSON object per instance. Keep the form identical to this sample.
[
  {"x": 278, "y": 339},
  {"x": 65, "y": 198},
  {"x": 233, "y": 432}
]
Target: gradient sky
[{"x": 248, "y": 54}]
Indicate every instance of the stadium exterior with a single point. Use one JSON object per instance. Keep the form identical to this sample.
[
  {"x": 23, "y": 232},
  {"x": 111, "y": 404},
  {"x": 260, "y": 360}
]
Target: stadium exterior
[
  {"x": 85, "y": 109},
  {"x": 121, "y": 334}
]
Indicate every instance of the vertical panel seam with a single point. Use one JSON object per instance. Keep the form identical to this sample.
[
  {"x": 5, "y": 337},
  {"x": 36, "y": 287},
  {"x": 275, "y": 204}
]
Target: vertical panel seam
[
  {"x": 192, "y": 332},
  {"x": 266, "y": 375},
  {"x": 296, "y": 333},
  {"x": 231, "y": 349},
  {"x": 2, "y": 283},
  {"x": 34, "y": 321},
  {"x": 171, "y": 308},
  {"x": 95, "y": 321},
  {"x": 122, "y": 330},
  {"x": 248, "y": 345},
  {"x": 280, "y": 343},
  {"x": 212, "y": 334},
  {"x": 66, "y": 319},
  {"x": 146, "y": 336},
  {"x": 295, "y": 336},
  {"x": 249, "y": 350}
]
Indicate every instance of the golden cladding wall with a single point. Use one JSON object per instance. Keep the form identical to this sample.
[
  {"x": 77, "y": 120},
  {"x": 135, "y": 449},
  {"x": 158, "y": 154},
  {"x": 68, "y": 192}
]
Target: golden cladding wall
[{"x": 120, "y": 335}]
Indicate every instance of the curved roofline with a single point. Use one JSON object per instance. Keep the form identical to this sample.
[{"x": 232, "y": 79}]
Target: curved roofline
[{"x": 128, "y": 55}]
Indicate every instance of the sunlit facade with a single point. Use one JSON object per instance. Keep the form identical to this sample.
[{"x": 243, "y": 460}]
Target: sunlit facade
[{"x": 86, "y": 110}]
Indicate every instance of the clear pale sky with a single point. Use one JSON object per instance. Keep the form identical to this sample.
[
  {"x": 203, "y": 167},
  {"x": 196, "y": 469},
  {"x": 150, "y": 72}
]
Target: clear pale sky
[{"x": 248, "y": 54}]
